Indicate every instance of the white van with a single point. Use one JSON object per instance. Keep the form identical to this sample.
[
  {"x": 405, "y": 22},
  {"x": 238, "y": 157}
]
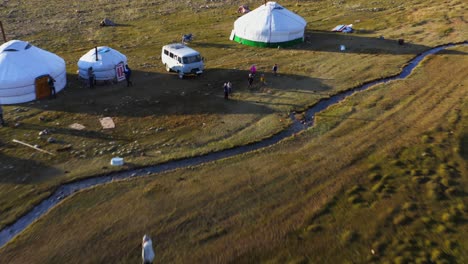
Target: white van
[{"x": 182, "y": 59}]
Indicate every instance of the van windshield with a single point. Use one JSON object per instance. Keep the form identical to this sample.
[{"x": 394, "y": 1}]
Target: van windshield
[{"x": 192, "y": 59}]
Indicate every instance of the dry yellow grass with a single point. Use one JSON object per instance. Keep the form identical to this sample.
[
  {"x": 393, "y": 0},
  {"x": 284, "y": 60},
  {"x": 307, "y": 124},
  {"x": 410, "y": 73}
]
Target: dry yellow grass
[
  {"x": 255, "y": 207},
  {"x": 193, "y": 117}
]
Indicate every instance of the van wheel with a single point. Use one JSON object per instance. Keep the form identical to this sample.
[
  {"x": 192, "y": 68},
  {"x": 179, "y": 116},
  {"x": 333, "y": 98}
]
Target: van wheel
[
  {"x": 167, "y": 68},
  {"x": 181, "y": 75}
]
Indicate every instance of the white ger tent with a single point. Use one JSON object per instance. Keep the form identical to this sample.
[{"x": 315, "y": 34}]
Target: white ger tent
[
  {"x": 24, "y": 71},
  {"x": 270, "y": 25},
  {"x": 103, "y": 60}
]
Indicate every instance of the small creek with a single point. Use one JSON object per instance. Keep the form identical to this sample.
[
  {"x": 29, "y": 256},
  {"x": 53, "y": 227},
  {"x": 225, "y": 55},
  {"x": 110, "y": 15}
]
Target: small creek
[{"x": 67, "y": 189}]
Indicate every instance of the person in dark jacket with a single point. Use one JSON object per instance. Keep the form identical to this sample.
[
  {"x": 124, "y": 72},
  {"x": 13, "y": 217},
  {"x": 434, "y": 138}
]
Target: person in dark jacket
[
  {"x": 226, "y": 91},
  {"x": 53, "y": 92},
  {"x": 275, "y": 69},
  {"x": 128, "y": 75},
  {"x": 250, "y": 79},
  {"x": 91, "y": 77}
]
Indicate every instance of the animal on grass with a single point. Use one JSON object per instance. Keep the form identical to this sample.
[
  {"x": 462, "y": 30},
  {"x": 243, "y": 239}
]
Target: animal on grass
[{"x": 147, "y": 252}]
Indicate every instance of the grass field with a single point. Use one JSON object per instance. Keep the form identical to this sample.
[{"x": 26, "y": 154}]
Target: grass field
[{"x": 396, "y": 154}]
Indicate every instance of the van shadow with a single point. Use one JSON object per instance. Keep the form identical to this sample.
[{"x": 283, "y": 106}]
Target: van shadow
[
  {"x": 164, "y": 94},
  {"x": 325, "y": 41}
]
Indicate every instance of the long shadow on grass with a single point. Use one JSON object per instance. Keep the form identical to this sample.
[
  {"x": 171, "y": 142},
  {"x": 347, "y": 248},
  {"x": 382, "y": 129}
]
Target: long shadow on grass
[
  {"x": 357, "y": 43},
  {"x": 72, "y": 132},
  {"x": 11, "y": 167},
  {"x": 163, "y": 94}
]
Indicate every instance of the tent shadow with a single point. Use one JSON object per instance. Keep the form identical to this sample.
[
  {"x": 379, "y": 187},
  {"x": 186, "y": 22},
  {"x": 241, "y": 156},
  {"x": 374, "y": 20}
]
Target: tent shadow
[
  {"x": 163, "y": 94},
  {"x": 15, "y": 170},
  {"x": 326, "y": 41}
]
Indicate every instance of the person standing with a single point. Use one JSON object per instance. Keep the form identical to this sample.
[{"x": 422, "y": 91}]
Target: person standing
[
  {"x": 91, "y": 77},
  {"x": 51, "y": 82},
  {"x": 262, "y": 79},
  {"x": 2, "y": 121},
  {"x": 147, "y": 252},
  {"x": 226, "y": 91},
  {"x": 229, "y": 86},
  {"x": 128, "y": 74},
  {"x": 253, "y": 70},
  {"x": 275, "y": 69},
  {"x": 250, "y": 79}
]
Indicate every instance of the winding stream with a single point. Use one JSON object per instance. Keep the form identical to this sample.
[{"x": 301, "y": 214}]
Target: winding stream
[{"x": 9, "y": 232}]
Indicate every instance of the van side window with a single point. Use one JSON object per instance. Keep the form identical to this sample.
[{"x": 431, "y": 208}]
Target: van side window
[
  {"x": 166, "y": 52},
  {"x": 171, "y": 55},
  {"x": 179, "y": 59}
]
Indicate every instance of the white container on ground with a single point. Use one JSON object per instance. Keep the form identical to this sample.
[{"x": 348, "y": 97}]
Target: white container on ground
[{"x": 117, "y": 161}]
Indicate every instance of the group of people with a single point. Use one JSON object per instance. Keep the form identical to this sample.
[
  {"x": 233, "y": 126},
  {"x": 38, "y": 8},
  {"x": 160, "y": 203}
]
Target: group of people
[
  {"x": 92, "y": 76},
  {"x": 227, "y": 86},
  {"x": 253, "y": 72}
]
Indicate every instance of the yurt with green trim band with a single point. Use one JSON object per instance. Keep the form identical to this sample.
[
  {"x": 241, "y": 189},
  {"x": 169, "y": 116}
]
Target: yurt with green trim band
[{"x": 270, "y": 25}]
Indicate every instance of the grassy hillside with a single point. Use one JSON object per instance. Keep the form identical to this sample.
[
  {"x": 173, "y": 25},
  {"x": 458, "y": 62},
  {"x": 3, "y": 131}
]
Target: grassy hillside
[{"x": 328, "y": 195}]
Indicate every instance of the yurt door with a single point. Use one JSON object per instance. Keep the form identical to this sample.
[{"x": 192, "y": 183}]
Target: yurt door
[{"x": 42, "y": 87}]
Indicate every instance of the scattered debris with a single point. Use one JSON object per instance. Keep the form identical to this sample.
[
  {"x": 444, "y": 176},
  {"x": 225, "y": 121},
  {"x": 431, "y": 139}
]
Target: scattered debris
[
  {"x": 64, "y": 148},
  {"x": 343, "y": 28},
  {"x": 342, "y": 47},
  {"x": 186, "y": 38},
  {"x": 107, "y": 122},
  {"x": 401, "y": 41},
  {"x": 243, "y": 9},
  {"x": 51, "y": 140},
  {"x": 107, "y": 23},
  {"x": 36, "y": 147},
  {"x": 43, "y": 132},
  {"x": 77, "y": 126}
]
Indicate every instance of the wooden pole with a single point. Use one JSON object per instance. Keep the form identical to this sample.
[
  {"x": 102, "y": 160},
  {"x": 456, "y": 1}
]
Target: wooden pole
[
  {"x": 3, "y": 32},
  {"x": 95, "y": 51},
  {"x": 31, "y": 146}
]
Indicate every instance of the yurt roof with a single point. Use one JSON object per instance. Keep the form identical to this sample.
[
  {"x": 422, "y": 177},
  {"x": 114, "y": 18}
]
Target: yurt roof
[{"x": 107, "y": 58}]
